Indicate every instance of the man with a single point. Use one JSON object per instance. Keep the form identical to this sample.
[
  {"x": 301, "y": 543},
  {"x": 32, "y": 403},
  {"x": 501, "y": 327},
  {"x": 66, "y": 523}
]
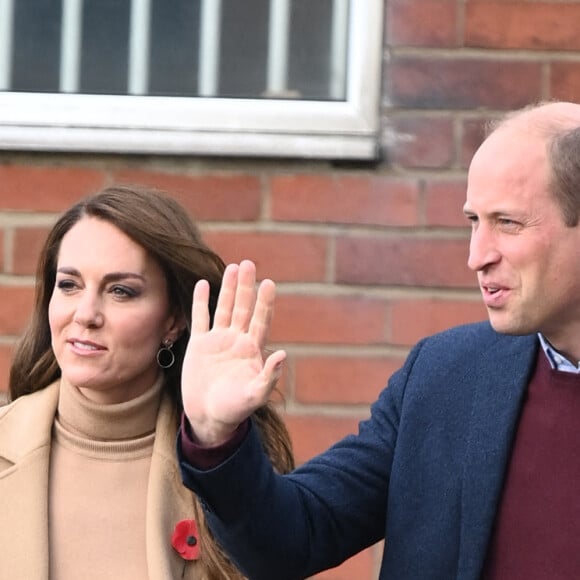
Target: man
[{"x": 469, "y": 466}]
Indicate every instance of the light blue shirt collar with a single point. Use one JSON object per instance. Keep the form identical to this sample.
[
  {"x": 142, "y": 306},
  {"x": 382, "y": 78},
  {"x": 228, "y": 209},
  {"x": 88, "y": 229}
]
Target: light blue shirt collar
[{"x": 557, "y": 360}]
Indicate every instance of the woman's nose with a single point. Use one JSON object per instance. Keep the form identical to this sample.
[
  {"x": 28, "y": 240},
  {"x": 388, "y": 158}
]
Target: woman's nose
[{"x": 88, "y": 311}]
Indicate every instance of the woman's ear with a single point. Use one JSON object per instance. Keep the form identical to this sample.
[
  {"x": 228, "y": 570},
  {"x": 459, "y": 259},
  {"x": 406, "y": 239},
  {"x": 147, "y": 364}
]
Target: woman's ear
[{"x": 176, "y": 328}]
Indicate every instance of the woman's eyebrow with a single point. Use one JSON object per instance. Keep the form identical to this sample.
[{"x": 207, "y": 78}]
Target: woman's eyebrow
[{"x": 110, "y": 277}]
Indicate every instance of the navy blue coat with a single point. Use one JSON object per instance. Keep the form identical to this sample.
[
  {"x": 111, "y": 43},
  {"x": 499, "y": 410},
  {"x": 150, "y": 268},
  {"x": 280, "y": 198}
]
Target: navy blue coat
[{"x": 424, "y": 472}]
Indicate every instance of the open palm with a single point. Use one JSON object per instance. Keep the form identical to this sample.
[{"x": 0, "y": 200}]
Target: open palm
[{"x": 225, "y": 377}]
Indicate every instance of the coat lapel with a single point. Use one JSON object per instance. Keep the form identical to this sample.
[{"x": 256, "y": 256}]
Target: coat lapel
[
  {"x": 25, "y": 431},
  {"x": 25, "y": 435},
  {"x": 168, "y": 502},
  {"x": 496, "y": 406}
]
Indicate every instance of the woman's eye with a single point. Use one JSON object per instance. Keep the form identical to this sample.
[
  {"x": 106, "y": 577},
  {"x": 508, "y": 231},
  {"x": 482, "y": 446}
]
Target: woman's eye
[
  {"x": 65, "y": 285},
  {"x": 123, "y": 292}
]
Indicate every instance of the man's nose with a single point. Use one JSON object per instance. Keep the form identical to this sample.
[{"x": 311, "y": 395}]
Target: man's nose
[{"x": 483, "y": 250}]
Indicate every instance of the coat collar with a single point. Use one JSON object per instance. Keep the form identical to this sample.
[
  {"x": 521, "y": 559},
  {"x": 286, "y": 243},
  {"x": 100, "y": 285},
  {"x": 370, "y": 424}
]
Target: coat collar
[
  {"x": 25, "y": 424},
  {"x": 495, "y": 410},
  {"x": 25, "y": 436},
  {"x": 168, "y": 501},
  {"x": 25, "y": 427}
]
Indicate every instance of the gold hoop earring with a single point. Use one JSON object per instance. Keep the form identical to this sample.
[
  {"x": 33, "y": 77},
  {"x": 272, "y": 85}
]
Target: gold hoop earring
[{"x": 165, "y": 356}]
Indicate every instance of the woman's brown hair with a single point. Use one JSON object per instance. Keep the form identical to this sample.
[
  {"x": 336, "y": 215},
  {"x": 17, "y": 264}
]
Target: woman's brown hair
[{"x": 163, "y": 228}]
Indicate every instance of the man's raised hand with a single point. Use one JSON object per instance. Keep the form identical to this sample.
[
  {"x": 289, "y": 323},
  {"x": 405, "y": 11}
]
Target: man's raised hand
[{"x": 225, "y": 377}]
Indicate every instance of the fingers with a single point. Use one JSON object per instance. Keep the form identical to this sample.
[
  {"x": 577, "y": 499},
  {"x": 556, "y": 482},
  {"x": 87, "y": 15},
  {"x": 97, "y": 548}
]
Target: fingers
[
  {"x": 245, "y": 296},
  {"x": 226, "y": 298},
  {"x": 239, "y": 305},
  {"x": 264, "y": 308},
  {"x": 199, "y": 308}
]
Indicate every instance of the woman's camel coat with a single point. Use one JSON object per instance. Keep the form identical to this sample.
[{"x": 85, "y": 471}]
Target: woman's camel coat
[{"x": 25, "y": 436}]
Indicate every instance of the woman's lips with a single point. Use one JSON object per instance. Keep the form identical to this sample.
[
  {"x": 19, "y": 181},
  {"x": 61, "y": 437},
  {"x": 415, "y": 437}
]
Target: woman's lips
[{"x": 85, "y": 346}]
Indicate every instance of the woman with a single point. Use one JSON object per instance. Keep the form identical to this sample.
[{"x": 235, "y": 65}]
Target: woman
[{"x": 89, "y": 483}]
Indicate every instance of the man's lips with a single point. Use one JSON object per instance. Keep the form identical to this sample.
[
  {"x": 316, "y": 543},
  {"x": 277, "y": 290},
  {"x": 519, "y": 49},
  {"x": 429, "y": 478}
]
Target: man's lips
[{"x": 494, "y": 295}]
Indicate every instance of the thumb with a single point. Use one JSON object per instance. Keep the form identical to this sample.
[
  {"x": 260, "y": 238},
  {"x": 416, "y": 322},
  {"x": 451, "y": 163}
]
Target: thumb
[{"x": 270, "y": 373}]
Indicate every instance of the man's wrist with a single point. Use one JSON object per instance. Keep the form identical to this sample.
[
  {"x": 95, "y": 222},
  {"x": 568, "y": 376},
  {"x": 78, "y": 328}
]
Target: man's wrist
[{"x": 206, "y": 458}]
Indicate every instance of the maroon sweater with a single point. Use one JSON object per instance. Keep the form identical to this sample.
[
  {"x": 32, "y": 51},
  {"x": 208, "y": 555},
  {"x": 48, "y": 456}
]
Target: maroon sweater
[{"x": 537, "y": 528}]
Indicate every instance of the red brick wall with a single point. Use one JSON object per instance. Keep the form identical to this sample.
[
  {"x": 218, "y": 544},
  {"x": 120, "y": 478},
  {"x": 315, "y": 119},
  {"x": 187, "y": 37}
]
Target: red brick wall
[{"x": 369, "y": 258}]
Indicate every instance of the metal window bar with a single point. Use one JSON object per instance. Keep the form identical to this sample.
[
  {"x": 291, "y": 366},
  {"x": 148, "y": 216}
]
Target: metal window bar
[
  {"x": 139, "y": 39},
  {"x": 278, "y": 42},
  {"x": 70, "y": 46},
  {"x": 6, "y": 18},
  {"x": 338, "y": 48},
  {"x": 209, "y": 48},
  {"x": 209, "y": 53}
]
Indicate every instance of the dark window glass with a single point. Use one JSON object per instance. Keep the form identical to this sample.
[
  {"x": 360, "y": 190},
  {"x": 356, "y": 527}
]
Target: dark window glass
[
  {"x": 173, "y": 48},
  {"x": 105, "y": 51},
  {"x": 36, "y": 45}
]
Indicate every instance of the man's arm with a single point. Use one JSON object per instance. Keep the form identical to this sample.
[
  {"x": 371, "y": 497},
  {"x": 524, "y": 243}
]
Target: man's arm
[
  {"x": 273, "y": 526},
  {"x": 292, "y": 526}
]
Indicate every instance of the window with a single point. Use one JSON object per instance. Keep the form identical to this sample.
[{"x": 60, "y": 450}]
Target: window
[{"x": 215, "y": 77}]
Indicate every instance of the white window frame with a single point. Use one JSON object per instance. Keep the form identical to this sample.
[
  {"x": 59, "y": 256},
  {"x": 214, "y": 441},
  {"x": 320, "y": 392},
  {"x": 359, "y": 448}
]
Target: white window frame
[{"x": 213, "y": 126}]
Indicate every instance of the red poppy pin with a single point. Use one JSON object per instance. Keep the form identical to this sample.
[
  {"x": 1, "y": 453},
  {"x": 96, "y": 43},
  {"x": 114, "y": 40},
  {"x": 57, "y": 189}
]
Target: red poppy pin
[{"x": 185, "y": 539}]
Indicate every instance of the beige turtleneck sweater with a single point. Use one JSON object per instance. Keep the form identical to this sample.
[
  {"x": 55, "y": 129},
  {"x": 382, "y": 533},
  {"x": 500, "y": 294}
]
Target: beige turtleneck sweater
[{"x": 100, "y": 461}]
